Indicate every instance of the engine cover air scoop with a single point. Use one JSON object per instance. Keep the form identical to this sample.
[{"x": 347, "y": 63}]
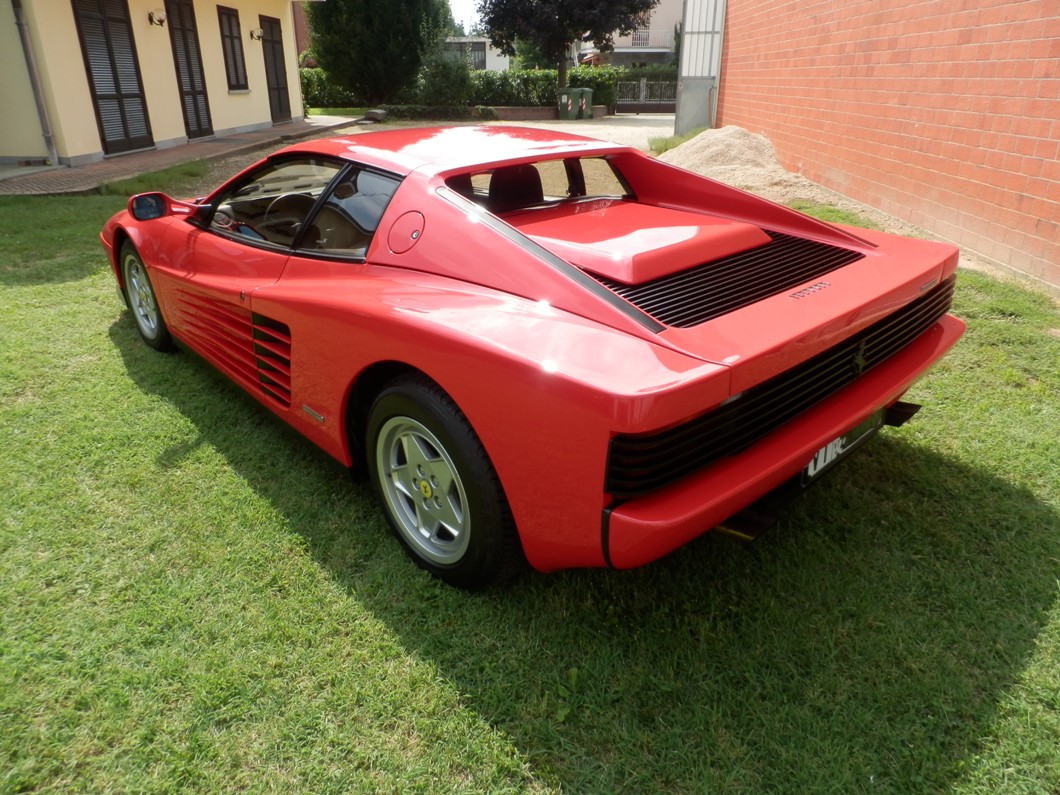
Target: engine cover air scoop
[{"x": 633, "y": 243}]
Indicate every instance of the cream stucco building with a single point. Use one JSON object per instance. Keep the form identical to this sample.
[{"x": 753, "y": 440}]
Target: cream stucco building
[{"x": 86, "y": 79}]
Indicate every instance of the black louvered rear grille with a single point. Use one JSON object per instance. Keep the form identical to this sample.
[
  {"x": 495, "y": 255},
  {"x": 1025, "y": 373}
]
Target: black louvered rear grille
[
  {"x": 715, "y": 288},
  {"x": 639, "y": 464}
]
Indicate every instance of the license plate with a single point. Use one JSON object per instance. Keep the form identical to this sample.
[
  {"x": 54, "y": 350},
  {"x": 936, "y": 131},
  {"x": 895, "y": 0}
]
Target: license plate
[{"x": 837, "y": 449}]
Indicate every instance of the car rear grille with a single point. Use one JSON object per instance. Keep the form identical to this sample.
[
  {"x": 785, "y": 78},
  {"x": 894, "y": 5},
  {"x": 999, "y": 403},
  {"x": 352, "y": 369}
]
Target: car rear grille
[
  {"x": 638, "y": 464},
  {"x": 715, "y": 288}
]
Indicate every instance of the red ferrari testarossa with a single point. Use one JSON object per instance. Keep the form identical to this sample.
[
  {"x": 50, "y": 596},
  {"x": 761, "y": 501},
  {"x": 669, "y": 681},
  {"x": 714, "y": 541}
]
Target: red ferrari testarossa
[{"x": 538, "y": 346}]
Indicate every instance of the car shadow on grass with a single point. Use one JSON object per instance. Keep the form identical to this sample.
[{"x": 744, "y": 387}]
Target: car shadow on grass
[{"x": 864, "y": 643}]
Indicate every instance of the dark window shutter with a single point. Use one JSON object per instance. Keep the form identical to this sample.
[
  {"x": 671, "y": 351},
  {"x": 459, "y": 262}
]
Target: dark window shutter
[
  {"x": 109, "y": 50},
  {"x": 187, "y": 60},
  {"x": 232, "y": 46}
]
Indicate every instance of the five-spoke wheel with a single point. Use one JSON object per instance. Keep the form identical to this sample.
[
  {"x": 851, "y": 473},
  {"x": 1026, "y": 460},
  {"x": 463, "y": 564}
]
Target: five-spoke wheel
[
  {"x": 140, "y": 296},
  {"x": 437, "y": 486},
  {"x": 423, "y": 490}
]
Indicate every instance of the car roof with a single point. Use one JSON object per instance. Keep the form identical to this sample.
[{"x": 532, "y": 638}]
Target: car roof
[{"x": 443, "y": 149}]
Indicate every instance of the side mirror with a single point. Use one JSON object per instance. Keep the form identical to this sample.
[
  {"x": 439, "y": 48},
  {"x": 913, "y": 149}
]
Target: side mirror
[
  {"x": 347, "y": 188},
  {"x": 147, "y": 206}
]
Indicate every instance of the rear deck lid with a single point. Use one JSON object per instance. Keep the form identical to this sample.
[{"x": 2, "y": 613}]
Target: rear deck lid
[
  {"x": 757, "y": 301},
  {"x": 634, "y": 243}
]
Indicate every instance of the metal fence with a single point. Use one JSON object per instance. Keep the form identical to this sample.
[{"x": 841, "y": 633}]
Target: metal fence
[{"x": 646, "y": 95}]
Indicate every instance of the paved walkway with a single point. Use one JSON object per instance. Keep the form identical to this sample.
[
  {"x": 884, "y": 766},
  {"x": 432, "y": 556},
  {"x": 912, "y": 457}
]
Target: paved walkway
[
  {"x": 84, "y": 179},
  {"x": 629, "y": 130}
]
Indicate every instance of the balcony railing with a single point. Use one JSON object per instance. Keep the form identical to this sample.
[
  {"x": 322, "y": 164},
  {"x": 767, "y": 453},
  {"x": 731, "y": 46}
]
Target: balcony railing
[{"x": 652, "y": 38}]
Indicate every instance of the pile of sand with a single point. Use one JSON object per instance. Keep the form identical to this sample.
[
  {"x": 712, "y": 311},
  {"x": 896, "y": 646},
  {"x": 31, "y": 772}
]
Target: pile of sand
[
  {"x": 744, "y": 160},
  {"x": 748, "y": 161}
]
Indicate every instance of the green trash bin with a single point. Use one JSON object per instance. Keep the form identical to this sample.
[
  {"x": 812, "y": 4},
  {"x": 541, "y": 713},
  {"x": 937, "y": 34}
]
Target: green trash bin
[
  {"x": 567, "y": 104},
  {"x": 583, "y": 101}
]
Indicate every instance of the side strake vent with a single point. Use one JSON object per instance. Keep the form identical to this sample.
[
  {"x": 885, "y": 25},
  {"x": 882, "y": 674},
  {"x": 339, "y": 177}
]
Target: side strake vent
[
  {"x": 253, "y": 349},
  {"x": 272, "y": 355},
  {"x": 715, "y": 288},
  {"x": 645, "y": 462}
]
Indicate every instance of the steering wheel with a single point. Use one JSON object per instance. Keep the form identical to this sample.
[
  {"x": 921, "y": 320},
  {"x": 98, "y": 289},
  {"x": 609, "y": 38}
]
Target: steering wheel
[{"x": 285, "y": 214}]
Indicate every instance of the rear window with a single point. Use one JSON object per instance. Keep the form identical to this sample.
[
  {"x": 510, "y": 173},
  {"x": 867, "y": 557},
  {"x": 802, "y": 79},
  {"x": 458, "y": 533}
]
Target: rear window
[{"x": 544, "y": 183}]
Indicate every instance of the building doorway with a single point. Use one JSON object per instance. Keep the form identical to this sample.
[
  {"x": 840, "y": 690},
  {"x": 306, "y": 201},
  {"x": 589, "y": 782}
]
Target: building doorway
[{"x": 275, "y": 69}]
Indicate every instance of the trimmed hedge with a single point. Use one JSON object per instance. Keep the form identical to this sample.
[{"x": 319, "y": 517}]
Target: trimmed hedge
[
  {"x": 439, "y": 88},
  {"x": 443, "y": 80},
  {"x": 318, "y": 92},
  {"x": 535, "y": 88},
  {"x": 655, "y": 71}
]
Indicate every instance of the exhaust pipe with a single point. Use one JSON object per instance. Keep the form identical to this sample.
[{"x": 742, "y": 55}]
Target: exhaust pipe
[{"x": 898, "y": 414}]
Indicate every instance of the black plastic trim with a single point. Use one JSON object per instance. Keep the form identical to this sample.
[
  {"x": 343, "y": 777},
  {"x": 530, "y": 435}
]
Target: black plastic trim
[
  {"x": 640, "y": 463},
  {"x": 714, "y": 288}
]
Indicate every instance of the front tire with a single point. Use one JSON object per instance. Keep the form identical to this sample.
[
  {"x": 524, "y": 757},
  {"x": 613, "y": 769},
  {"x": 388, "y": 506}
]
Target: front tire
[
  {"x": 140, "y": 297},
  {"x": 437, "y": 487}
]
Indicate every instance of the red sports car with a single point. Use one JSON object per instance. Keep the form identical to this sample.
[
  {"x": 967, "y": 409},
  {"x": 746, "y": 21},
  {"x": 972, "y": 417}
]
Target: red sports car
[{"x": 540, "y": 347}]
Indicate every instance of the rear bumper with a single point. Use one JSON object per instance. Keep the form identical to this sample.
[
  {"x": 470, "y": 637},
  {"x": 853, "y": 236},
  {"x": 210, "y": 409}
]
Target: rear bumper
[{"x": 646, "y": 528}]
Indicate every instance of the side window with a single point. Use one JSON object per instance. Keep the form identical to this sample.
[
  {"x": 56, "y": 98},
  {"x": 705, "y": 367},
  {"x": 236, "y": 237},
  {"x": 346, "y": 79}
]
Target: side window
[
  {"x": 346, "y": 222},
  {"x": 555, "y": 182},
  {"x": 271, "y": 205},
  {"x": 601, "y": 179}
]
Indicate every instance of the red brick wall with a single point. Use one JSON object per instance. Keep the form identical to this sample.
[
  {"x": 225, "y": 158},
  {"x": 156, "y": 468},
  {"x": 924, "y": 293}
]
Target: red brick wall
[
  {"x": 945, "y": 113},
  {"x": 301, "y": 30}
]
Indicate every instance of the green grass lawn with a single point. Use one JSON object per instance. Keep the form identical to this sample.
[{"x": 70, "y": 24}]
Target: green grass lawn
[
  {"x": 194, "y": 599},
  {"x": 664, "y": 144}
]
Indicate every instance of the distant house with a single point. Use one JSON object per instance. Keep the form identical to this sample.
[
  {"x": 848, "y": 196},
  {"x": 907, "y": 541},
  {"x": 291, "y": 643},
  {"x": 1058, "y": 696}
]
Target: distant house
[
  {"x": 654, "y": 44},
  {"x": 86, "y": 79},
  {"x": 478, "y": 52}
]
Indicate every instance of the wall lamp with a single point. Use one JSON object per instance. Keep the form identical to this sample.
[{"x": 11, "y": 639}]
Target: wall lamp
[
  {"x": 256, "y": 34},
  {"x": 157, "y": 17}
]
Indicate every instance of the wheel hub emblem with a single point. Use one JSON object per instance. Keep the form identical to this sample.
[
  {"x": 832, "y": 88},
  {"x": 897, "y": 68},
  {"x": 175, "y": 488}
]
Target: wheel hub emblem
[{"x": 426, "y": 490}]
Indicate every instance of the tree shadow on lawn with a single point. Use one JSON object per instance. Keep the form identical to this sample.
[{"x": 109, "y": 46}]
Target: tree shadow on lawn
[{"x": 863, "y": 643}]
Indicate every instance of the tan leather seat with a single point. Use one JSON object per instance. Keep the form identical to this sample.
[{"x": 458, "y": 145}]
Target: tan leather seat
[{"x": 332, "y": 230}]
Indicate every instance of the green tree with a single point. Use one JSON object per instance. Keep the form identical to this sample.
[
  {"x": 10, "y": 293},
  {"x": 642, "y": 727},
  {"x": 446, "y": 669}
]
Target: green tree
[
  {"x": 441, "y": 17},
  {"x": 554, "y": 25},
  {"x": 444, "y": 77},
  {"x": 374, "y": 48},
  {"x": 529, "y": 56}
]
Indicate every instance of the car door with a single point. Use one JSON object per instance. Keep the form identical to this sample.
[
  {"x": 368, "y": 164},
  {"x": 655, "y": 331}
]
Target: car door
[
  {"x": 241, "y": 245},
  {"x": 322, "y": 303}
]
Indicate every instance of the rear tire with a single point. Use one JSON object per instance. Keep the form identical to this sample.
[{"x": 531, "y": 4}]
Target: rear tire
[
  {"x": 140, "y": 297},
  {"x": 437, "y": 487}
]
